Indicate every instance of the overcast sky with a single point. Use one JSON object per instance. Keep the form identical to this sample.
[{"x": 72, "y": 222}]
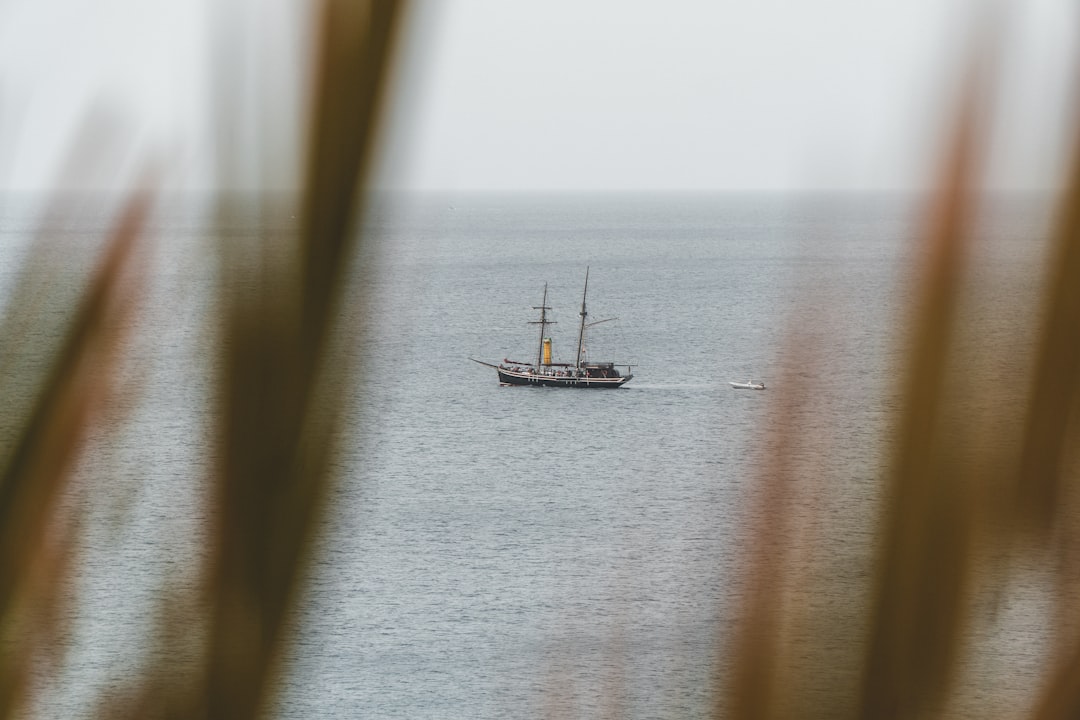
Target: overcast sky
[{"x": 556, "y": 95}]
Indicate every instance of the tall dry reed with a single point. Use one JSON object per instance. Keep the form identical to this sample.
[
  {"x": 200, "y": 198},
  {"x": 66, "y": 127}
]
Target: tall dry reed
[
  {"x": 960, "y": 496},
  {"x": 36, "y": 535},
  {"x": 277, "y": 417}
]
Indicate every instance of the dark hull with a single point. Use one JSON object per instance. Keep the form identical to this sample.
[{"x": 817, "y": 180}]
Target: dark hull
[{"x": 508, "y": 377}]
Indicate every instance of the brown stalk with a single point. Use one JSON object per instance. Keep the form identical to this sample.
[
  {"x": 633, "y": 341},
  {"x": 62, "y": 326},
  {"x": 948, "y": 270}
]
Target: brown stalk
[
  {"x": 34, "y": 546},
  {"x": 757, "y": 683},
  {"x": 923, "y": 560},
  {"x": 39, "y": 282},
  {"x": 279, "y": 410},
  {"x": 1056, "y": 382},
  {"x": 357, "y": 39},
  {"x": 1049, "y": 435},
  {"x": 1061, "y": 699}
]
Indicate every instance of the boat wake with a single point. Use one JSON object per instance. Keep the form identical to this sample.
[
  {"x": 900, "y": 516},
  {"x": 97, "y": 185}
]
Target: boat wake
[{"x": 672, "y": 386}]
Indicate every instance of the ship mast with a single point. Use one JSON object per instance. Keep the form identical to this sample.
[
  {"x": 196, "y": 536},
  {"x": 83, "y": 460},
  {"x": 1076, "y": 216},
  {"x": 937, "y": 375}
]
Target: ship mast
[
  {"x": 543, "y": 323},
  {"x": 581, "y": 331}
]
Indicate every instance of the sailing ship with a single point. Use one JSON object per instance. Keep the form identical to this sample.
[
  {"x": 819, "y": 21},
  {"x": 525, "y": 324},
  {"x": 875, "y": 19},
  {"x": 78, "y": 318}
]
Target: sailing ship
[{"x": 545, "y": 373}]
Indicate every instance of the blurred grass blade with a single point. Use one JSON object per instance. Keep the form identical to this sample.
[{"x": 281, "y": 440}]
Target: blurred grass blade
[
  {"x": 42, "y": 284},
  {"x": 757, "y": 685},
  {"x": 1056, "y": 380},
  {"x": 279, "y": 409},
  {"x": 357, "y": 39},
  {"x": 1061, "y": 699},
  {"x": 39, "y": 466},
  {"x": 1049, "y": 437},
  {"x": 923, "y": 560}
]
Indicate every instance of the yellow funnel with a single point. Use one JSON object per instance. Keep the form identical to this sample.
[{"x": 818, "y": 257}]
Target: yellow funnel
[{"x": 547, "y": 351}]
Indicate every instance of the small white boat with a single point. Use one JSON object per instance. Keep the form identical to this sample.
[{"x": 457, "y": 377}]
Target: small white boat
[{"x": 748, "y": 385}]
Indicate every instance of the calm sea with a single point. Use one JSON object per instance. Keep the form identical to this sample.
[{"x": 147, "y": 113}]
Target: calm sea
[{"x": 497, "y": 552}]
